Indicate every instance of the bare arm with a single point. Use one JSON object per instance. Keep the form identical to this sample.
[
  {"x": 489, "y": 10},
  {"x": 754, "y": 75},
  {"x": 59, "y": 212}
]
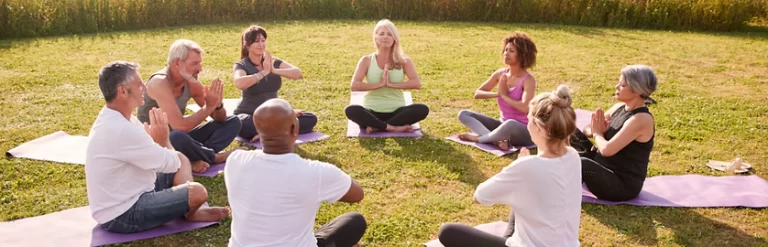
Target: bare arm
[
  {"x": 633, "y": 129},
  {"x": 357, "y": 78},
  {"x": 162, "y": 93},
  {"x": 289, "y": 71},
  {"x": 413, "y": 81},
  {"x": 529, "y": 91},
  {"x": 243, "y": 81},
  {"x": 485, "y": 90},
  {"x": 354, "y": 194}
]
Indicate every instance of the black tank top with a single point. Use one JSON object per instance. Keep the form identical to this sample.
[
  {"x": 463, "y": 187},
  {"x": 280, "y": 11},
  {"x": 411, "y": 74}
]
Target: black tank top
[{"x": 631, "y": 162}]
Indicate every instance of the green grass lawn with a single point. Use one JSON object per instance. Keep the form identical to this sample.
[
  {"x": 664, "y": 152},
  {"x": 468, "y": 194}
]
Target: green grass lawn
[{"x": 712, "y": 105}]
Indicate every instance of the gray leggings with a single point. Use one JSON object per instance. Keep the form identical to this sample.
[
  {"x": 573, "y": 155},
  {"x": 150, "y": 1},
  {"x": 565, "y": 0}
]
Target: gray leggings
[{"x": 492, "y": 130}]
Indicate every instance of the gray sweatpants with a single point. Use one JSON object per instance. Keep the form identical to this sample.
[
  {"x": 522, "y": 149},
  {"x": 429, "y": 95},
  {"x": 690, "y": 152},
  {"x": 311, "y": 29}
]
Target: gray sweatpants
[{"x": 492, "y": 130}]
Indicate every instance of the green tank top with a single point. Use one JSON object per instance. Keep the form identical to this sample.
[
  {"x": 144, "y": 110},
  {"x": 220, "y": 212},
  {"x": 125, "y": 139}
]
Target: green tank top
[{"x": 384, "y": 99}]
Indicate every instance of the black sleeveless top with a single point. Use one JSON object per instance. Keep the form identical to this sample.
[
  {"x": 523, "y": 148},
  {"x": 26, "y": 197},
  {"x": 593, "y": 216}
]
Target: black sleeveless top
[
  {"x": 258, "y": 93},
  {"x": 631, "y": 162}
]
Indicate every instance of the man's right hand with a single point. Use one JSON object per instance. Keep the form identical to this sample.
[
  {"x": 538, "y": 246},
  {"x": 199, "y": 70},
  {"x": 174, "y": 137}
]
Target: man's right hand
[
  {"x": 158, "y": 126},
  {"x": 214, "y": 94}
]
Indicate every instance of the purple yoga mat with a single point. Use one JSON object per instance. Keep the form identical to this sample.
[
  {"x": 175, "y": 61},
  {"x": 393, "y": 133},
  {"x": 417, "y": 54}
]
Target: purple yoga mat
[
  {"x": 57, "y": 147},
  {"x": 303, "y": 138},
  {"x": 212, "y": 171},
  {"x": 354, "y": 130},
  {"x": 583, "y": 118},
  {"x": 488, "y": 147},
  {"x": 696, "y": 191},
  {"x": 496, "y": 228},
  {"x": 75, "y": 227}
]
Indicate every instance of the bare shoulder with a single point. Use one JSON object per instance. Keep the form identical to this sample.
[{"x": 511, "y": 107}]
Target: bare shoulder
[{"x": 157, "y": 82}]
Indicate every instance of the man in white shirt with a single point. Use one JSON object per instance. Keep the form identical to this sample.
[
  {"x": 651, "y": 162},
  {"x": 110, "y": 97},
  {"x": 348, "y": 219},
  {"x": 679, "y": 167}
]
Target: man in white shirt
[
  {"x": 275, "y": 194},
  {"x": 135, "y": 179}
]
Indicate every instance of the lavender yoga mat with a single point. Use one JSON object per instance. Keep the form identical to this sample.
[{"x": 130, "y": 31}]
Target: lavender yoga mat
[
  {"x": 353, "y": 130},
  {"x": 493, "y": 149},
  {"x": 583, "y": 118},
  {"x": 212, "y": 171},
  {"x": 496, "y": 228},
  {"x": 57, "y": 147},
  {"x": 75, "y": 227},
  {"x": 696, "y": 191},
  {"x": 303, "y": 138}
]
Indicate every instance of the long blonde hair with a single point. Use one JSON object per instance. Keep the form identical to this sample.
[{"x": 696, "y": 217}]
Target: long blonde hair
[{"x": 398, "y": 56}]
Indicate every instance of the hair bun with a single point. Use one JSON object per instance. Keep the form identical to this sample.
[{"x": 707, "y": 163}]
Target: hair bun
[{"x": 561, "y": 97}]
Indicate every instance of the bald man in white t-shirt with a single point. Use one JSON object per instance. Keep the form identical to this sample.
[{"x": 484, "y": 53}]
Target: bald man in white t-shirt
[{"x": 275, "y": 194}]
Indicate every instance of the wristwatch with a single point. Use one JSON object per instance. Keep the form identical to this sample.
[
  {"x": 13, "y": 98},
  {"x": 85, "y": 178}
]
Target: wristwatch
[{"x": 220, "y": 106}]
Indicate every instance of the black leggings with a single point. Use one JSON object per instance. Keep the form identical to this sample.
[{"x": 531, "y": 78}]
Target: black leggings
[
  {"x": 343, "y": 231},
  {"x": 600, "y": 180},
  {"x": 307, "y": 122},
  {"x": 405, "y": 115},
  {"x": 460, "y": 235}
]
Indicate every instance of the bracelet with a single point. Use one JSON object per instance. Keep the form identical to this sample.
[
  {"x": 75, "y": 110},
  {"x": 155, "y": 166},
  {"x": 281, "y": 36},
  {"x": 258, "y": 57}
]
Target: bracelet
[{"x": 220, "y": 106}]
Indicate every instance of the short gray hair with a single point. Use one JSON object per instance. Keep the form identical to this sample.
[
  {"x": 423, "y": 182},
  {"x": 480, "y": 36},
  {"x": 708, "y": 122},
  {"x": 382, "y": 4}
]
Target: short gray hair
[
  {"x": 113, "y": 75},
  {"x": 640, "y": 78},
  {"x": 180, "y": 50}
]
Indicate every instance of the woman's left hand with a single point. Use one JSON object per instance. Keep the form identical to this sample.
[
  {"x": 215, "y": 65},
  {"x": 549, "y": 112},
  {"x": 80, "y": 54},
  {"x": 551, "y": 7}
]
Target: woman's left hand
[{"x": 599, "y": 123}]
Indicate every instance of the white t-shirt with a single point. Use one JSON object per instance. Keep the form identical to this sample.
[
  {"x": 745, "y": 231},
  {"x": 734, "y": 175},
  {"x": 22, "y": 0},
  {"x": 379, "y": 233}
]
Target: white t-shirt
[
  {"x": 121, "y": 163},
  {"x": 545, "y": 195},
  {"x": 275, "y": 198}
]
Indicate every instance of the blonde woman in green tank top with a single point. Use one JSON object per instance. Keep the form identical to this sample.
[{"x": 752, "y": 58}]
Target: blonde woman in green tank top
[{"x": 385, "y": 72}]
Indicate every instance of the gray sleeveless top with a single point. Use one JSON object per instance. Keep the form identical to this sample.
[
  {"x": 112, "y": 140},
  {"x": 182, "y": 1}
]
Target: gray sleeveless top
[
  {"x": 149, "y": 103},
  {"x": 260, "y": 92}
]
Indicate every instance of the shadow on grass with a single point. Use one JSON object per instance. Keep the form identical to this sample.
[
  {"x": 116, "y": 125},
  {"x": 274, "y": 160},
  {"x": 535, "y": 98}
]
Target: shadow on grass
[
  {"x": 429, "y": 149},
  {"x": 689, "y": 228}
]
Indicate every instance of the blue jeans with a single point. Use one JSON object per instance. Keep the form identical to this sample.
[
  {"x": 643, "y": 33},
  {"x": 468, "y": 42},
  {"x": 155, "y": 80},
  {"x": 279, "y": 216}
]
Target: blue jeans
[
  {"x": 205, "y": 140},
  {"x": 153, "y": 209}
]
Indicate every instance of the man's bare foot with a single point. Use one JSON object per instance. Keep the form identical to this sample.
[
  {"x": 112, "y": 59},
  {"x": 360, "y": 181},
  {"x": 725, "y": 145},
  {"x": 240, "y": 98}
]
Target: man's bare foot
[
  {"x": 503, "y": 145},
  {"x": 222, "y": 157},
  {"x": 404, "y": 128},
  {"x": 200, "y": 166},
  {"x": 468, "y": 137},
  {"x": 209, "y": 214},
  {"x": 370, "y": 129}
]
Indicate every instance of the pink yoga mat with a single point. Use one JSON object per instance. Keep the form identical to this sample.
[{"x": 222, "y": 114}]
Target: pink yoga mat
[
  {"x": 212, "y": 171},
  {"x": 75, "y": 227},
  {"x": 696, "y": 191},
  {"x": 303, "y": 138},
  {"x": 583, "y": 118},
  {"x": 57, "y": 147},
  {"x": 353, "y": 130},
  {"x": 496, "y": 228},
  {"x": 493, "y": 149}
]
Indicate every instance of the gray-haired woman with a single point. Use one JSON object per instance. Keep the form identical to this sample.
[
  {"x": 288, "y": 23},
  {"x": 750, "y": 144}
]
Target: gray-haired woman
[{"x": 615, "y": 166}]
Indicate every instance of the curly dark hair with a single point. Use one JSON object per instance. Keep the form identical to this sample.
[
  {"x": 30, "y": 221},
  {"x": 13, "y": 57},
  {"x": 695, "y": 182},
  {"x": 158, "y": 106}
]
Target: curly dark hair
[
  {"x": 526, "y": 49},
  {"x": 249, "y": 36}
]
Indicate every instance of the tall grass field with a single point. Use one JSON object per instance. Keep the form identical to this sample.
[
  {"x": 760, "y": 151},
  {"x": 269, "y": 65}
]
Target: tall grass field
[{"x": 29, "y": 18}]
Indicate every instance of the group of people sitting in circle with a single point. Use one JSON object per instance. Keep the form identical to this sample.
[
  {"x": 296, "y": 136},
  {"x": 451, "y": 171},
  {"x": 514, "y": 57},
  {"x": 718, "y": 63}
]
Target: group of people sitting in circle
[{"x": 139, "y": 168}]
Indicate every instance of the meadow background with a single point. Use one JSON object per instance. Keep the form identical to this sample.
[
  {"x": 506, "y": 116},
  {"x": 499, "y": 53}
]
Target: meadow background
[
  {"x": 30, "y": 18},
  {"x": 711, "y": 100}
]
